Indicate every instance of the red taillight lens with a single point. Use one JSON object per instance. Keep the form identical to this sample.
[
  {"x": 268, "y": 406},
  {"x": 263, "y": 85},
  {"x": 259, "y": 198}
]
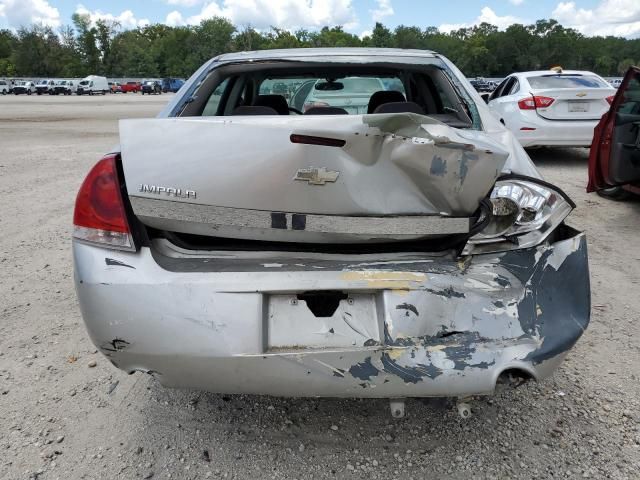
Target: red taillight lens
[
  {"x": 610, "y": 99},
  {"x": 527, "y": 104},
  {"x": 543, "y": 102},
  {"x": 531, "y": 103},
  {"x": 99, "y": 215}
]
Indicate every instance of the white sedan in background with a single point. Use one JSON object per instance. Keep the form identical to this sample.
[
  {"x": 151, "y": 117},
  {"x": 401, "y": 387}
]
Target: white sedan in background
[{"x": 553, "y": 107}]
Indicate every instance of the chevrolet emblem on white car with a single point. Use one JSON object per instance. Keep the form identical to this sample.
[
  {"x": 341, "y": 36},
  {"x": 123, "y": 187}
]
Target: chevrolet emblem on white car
[{"x": 316, "y": 176}]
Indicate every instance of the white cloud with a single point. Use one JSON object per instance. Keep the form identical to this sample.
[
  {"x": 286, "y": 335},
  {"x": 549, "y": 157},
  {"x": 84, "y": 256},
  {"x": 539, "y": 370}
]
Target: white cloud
[
  {"x": 17, "y": 13},
  {"x": 516, "y": 2},
  {"x": 185, "y": 3},
  {"x": 287, "y": 14},
  {"x": 126, "y": 19},
  {"x": 174, "y": 19},
  {"x": 487, "y": 15},
  {"x": 609, "y": 17},
  {"x": 384, "y": 10}
]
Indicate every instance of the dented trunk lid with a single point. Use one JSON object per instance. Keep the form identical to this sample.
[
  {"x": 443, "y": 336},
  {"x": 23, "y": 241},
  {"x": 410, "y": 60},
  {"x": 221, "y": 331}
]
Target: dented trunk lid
[{"x": 342, "y": 179}]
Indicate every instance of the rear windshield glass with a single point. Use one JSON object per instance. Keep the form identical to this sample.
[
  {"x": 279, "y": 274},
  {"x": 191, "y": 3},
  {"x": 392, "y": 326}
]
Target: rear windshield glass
[
  {"x": 349, "y": 93},
  {"x": 566, "y": 81},
  {"x": 298, "y": 88}
]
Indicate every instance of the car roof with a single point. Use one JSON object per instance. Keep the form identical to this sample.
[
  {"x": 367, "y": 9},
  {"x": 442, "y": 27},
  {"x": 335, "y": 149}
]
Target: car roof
[{"x": 294, "y": 53}]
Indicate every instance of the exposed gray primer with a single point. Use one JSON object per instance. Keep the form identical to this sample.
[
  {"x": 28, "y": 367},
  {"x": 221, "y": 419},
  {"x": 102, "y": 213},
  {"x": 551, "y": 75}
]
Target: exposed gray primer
[
  {"x": 438, "y": 167},
  {"x": 408, "y": 307},
  {"x": 364, "y": 370}
]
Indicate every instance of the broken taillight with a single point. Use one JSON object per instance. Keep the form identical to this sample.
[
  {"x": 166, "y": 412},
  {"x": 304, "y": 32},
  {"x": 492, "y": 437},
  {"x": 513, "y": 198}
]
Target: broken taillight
[
  {"x": 99, "y": 216},
  {"x": 531, "y": 103}
]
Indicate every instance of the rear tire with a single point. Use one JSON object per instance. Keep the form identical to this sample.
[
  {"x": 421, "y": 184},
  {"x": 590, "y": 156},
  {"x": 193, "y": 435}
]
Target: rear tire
[{"x": 617, "y": 194}]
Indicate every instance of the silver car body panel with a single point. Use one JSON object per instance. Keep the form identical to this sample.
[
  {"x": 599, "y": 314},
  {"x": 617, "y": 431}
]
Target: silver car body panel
[
  {"x": 416, "y": 325},
  {"x": 406, "y": 324},
  {"x": 390, "y": 165}
]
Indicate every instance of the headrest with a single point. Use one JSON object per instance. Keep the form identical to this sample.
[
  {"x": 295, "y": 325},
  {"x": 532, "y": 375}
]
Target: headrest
[
  {"x": 384, "y": 96},
  {"x": 400, "y": 107},
  {"x": 253, "y": 110},
  {"x": 277, "y": 102}
]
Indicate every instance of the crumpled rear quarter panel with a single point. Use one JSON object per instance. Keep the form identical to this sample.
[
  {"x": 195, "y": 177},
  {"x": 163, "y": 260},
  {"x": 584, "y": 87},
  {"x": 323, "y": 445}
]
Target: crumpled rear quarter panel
[{"x": 448, "y": 327}]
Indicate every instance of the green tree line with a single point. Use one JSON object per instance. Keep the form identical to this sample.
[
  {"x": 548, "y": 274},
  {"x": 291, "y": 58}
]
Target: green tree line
[{"x": 163, "y": 51}]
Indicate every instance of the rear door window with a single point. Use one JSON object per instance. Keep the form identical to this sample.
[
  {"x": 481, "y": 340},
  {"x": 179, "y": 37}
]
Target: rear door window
[
  {"x": 211, "y": 108},
  {"x": 631, "y": 99}
]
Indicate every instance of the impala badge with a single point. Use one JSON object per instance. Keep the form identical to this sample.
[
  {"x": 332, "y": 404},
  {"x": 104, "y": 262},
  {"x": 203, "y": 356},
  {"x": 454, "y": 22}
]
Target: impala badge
[
  {"x": 316, "y": 176},
  {"x": 166, "y": 191}
]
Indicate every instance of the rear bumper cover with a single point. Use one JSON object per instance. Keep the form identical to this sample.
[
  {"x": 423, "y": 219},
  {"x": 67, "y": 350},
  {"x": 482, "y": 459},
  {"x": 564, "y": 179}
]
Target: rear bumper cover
[
  {"x": 553, "y": 132},
  {"x": 448, "y": 327}
]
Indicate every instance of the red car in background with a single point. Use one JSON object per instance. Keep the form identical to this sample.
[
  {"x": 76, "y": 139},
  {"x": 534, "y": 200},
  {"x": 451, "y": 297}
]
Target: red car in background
[
  {"x": 614, "y": 160},
  {"x": 131, "y": 87}
]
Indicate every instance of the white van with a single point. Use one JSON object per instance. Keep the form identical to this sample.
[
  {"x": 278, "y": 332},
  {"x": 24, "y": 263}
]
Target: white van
[
  {"x": 93, "y": 84},
  {"x": 45, "y": 86},
  {"x": 4, "y": 87}
]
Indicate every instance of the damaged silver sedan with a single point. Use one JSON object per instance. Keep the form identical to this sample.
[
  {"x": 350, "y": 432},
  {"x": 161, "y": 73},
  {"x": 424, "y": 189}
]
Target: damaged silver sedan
[{"x": 332, "y": 223}]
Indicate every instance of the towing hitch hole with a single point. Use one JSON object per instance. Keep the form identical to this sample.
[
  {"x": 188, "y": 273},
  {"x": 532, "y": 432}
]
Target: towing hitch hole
[{"x": 322, "y": 304}]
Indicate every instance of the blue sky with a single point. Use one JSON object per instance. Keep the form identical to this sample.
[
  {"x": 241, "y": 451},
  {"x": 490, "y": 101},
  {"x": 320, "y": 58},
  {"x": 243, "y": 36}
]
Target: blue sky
[{"x": 592, "y": 17}]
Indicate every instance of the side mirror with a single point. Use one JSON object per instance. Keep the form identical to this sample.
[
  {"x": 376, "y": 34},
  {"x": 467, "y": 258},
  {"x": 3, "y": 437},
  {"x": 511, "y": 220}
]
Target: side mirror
[{"x": 485, "y": 96}]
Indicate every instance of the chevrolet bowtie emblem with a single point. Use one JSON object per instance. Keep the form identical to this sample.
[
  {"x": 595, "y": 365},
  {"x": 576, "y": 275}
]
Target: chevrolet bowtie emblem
[
  {"x": 581, "y": 94},
  {"x": 316, "y": 176}
]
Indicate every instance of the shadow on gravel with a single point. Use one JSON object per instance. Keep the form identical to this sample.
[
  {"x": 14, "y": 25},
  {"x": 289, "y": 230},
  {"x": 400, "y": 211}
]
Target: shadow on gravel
[
  {"x": 560, "y": 157},
  {"x": 290, "y": 434}
]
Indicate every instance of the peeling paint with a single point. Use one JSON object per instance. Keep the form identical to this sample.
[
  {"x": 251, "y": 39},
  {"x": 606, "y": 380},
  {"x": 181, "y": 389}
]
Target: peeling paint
[
  {"x": 115, "y": 345},
  {"x": 385, "y": 280},
  {"x": 364, "y": 370},
  {"x": 438, "y": 167},
  {"x": 448, "y": 292},
  {"x": 408, "y": 307},
  {"x": 116, "y": 263}
]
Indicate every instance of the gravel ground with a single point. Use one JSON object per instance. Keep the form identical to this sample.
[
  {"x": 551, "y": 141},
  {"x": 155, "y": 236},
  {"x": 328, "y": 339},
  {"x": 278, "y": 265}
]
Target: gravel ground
[{"x": 67, "y": 413}]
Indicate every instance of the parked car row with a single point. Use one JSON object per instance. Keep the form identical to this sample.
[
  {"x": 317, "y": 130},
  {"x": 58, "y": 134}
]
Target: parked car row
[
  {"x": 152, "y": 86},
  {"x": 91, "y": 85}
]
